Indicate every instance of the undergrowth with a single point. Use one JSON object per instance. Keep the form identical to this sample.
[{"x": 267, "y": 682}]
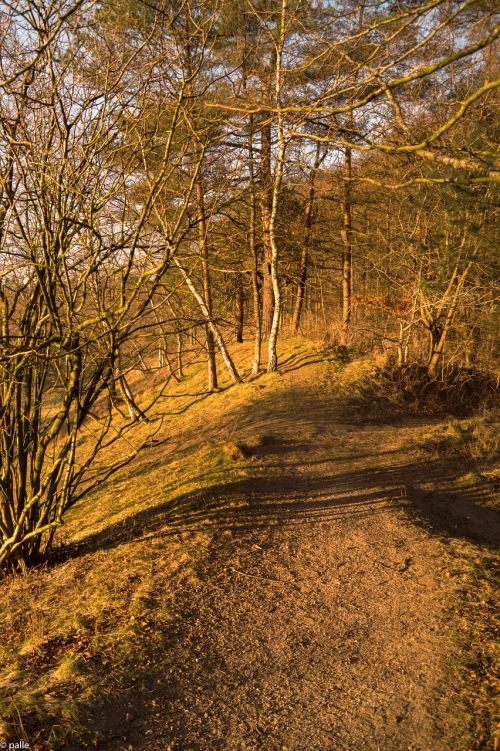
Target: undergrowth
[{"x": 459, "y": 391}]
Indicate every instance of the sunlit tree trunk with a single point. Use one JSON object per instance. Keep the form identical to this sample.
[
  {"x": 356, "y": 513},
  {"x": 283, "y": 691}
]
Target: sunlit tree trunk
[
  {"x": 278, "y": 177},
  {"x": 254, "y": 256},
  {"x": 210, "y": 323},
  {"x": 304, "y": 258},
  {"x": 205, "y": 272},
  {"x": 240, "y": 309},
  {"x": 178, "y": 336},
  {"x": 347, "y": 248},
  {"x": 266, "y": 191},
  {"x": 439, "y": 334}
]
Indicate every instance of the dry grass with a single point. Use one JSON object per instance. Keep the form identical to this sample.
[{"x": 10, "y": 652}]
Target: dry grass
[
  {"x": 409, "y": 389},
  {"x": 85, "y": 627},
  {"x": 74, "y": 633},
  {"x": 473, "y": 442}
]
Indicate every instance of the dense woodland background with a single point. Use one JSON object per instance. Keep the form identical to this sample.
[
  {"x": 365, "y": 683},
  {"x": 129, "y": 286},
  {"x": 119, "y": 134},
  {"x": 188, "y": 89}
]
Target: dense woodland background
[{"x": 175, "y": 176}]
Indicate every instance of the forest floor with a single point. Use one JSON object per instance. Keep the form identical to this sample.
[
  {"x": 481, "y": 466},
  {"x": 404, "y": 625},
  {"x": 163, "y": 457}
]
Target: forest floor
[{"x": 324, "y": 585}]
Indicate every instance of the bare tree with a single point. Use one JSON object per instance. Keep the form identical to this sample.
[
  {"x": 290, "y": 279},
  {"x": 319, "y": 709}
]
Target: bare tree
[{"x": 80, "y": 259}]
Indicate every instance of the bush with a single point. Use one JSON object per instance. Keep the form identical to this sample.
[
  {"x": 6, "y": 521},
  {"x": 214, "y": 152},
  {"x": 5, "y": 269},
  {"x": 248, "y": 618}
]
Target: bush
[{"x": 460, "y": 391}]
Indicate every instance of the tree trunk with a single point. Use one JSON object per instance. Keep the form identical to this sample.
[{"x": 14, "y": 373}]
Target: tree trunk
[
  {"x": 278, "y": 177},
  {"x": 304, "y": 258},
  {"x": 180, "y": 372},
  {"x": 134, "y": 410},
  {"x": 113, "y": 391},
  {"x": 439, "y": 334},
  {"x": 254, "y": 255},
  {"x": 210, "y": 323},
  {"x": 347, "y": 250},
  {"x": 207, "y": 291},
  {"x": 266, "y": 190},
  {"x": 240, "y": 309}
]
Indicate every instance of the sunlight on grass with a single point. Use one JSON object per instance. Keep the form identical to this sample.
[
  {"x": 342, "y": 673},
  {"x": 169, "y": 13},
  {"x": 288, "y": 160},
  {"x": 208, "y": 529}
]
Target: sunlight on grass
[
  {"x": 86, "y": 628},
  {"x": 73, "y": 631}
]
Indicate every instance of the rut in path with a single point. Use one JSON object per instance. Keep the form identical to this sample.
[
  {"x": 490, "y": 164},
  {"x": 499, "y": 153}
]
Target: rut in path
[{"x": 323, "y": 618}]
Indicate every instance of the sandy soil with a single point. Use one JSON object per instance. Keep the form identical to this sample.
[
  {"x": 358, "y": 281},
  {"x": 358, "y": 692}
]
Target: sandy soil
[{"x": 326, "y": 615}]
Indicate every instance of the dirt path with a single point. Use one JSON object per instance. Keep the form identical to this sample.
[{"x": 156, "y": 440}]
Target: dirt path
[{"x": 325, "y": 616}]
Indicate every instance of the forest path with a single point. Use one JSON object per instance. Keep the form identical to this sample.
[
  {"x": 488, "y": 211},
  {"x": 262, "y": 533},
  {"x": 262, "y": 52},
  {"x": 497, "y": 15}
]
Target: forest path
[{"x": 326, "y": 614}]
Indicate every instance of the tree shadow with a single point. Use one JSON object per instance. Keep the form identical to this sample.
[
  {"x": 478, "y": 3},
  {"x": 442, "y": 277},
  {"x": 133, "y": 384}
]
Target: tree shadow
[
  {"x": 290, "y": 498},
  {"x": 299, "y": 428},
  {"x": 294, "y": 480},
  {"x": 243, "y": 507}
]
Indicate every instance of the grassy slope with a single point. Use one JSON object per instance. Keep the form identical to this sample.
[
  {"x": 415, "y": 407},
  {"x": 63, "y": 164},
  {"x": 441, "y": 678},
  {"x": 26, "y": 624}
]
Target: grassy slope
[
  {"x": 88, "y": 626},
  {"x": 72, "y": 633}
]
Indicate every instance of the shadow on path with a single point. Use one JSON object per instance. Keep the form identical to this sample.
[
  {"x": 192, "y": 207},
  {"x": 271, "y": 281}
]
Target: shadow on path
[
  {"x": 299, "y": 477},
  {"x": 293, "y": 498}
]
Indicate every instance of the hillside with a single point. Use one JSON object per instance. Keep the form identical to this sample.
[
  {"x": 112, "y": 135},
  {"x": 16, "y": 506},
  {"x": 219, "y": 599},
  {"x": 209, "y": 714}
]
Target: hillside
[{"x": 288, "y": 564}]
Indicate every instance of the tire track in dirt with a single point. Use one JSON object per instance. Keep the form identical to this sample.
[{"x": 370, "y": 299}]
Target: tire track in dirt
[{"x": 323, "y": 617}]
